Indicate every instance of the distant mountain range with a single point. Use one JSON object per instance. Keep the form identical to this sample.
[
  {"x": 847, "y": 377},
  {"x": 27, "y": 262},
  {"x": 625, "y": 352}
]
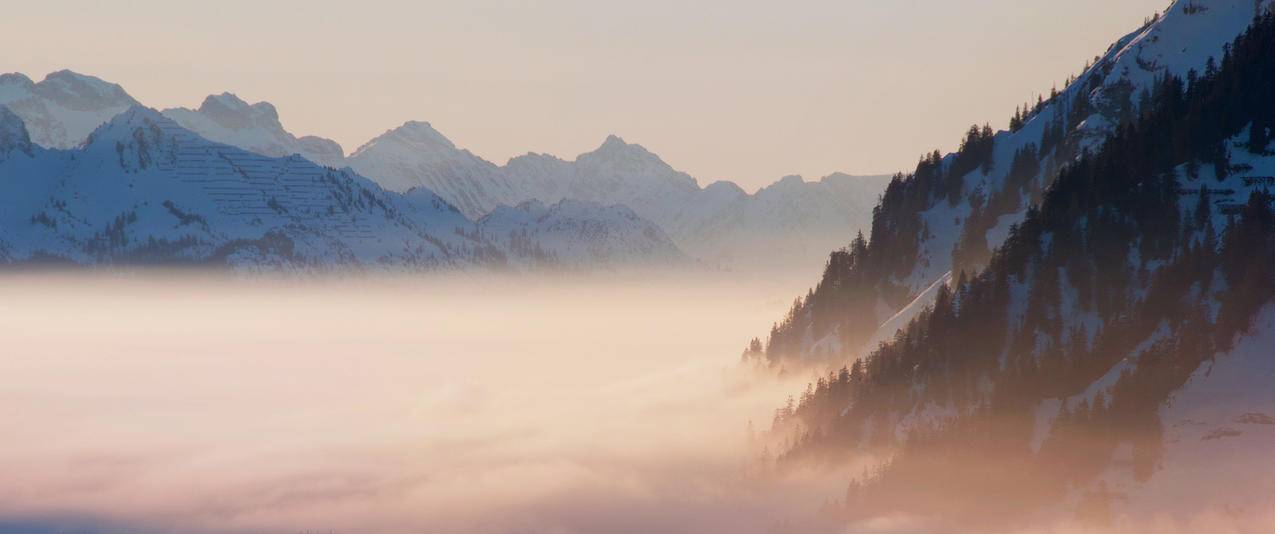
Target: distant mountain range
[
  {"x": 790, "y": 224},
  {"x": 142, "y": 190}
]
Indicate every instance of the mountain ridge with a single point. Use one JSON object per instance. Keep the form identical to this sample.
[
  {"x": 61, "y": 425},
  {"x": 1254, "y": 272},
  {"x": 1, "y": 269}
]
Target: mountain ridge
[{"x": 143, "y": 190}]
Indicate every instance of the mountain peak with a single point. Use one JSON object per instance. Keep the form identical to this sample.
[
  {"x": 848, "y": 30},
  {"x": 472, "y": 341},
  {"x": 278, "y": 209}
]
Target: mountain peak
[
  {"x": 615, "y": 148},
  {"x": 725, "y": 188},
  {"x": 233, "y": 112},
  {"x": 15, "y": 79},
  {"x": 81, "y": 91},
  {"x": 122, "y": 125},
  {"x": 416, "y": 134},
  {"x": 224, "y": 100},
  {"x": 613, "y": 141}
]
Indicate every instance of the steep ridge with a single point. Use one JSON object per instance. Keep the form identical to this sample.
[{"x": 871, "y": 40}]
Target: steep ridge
[
  {"x": 949, "y": 213},
  {"x": 61, "y": 110},
  {"x": 1115, "y": 345},
  {"x": 227, "y": 119}
]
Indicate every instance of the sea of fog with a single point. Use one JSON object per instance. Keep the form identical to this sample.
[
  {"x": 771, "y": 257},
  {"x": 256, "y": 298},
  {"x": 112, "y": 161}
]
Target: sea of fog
[{"x": 149, "y": 402}]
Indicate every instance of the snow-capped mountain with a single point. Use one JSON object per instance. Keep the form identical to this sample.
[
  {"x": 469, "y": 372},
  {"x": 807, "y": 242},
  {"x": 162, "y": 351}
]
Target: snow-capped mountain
[
  {"x": 580, "y": 233},
  {"x": 787, "y": 225},
  {"x": 227, "y": 119},
  {"x": 143, "y": 190},
  {"x": 616, "y": 172},
  {"x": 62, "y": 109},
  {"x": 416, "y": 155},
  {"x": 955, "y": 209},
  {"x": 790, "y": 223}
]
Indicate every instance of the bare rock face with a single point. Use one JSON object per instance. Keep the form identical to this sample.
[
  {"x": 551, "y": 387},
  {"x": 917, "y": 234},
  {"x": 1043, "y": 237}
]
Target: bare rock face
[
  {"x": 13, "y": 134},
  {"x": 64, "y": 108}
]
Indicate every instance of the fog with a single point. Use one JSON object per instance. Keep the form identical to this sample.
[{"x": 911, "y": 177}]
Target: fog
[{"x": 410, "y": 404}]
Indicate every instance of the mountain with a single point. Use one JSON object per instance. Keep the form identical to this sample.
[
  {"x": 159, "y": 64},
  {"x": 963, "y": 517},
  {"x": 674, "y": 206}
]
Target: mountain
[
  {"x": 63, "y": 108},
  {"x": 790, "y": 223},
  {"x": 143, "y": 190},
  {"x": 616, "y": 172},
  {"x": 1110, "y": 362},
  {"x": 416, "y": 155},
  {"x": 227, "y": 119},
  {"x": 948, "y": 215},
  {"x": 579, "y": 232},
  {"x": 785, "y": 226}
]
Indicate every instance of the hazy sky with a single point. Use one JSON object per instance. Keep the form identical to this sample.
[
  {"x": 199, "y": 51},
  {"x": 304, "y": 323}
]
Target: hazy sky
[{"x": 746, "y": 90}]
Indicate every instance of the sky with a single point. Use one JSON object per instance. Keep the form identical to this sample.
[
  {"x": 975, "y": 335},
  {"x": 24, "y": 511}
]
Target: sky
[{"x": 742, "y": 90}]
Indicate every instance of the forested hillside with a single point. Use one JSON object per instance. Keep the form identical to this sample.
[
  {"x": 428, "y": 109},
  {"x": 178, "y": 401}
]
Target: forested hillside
[
  {"x": 948, "y": 215},
  {"x": 1028, "y": 383}
]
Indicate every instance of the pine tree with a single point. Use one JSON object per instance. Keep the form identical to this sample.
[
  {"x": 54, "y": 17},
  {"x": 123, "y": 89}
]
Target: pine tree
[
  {"x": 1258, "y": 137},
  {"x": 1203, "y": 208}
]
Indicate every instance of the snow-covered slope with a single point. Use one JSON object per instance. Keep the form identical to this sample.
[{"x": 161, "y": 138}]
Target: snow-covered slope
[
  {"x": 145, "y": 190},
  {"x": 578, "y": 233},
  {"x": 61, "y": 110},
  {"x": 1219, "y": 430},
  {"x": 1114, "y": 359},
  {"x": 616, "y": 172},
  {"x": 1218, "y": 433},
  {"x": 990, "y": 198},
  {"x": 788, "y": 225},
  {"x": 416, "y": 155},
  {"x": 1182, "y": 39},
  {"x": 225, "y": 118}
]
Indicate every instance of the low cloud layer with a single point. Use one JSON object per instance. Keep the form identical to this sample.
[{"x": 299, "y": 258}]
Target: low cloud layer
[{"x": 440, "y": 405}]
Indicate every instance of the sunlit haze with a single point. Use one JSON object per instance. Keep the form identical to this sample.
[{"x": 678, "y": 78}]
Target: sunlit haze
[
  {"x": 748, "y": 91},
  {"x": 1058, "y": 320},
  {"x": 460, "y": 403}
]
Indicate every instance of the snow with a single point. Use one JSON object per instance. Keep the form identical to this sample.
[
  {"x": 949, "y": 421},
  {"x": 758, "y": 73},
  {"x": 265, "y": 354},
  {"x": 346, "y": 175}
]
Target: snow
[
  {"x": 145, "y": 189},
  {"x": 792, "y": 224},
  {"x": 900, "y": 320},
  {"x": 1218, "y": 435},
  {"x": 417, "y": 155},
  {"x": 1175, "y": 43},
  {"x": 61, "y": 110},
  {"x": 930, "y": 416},
  {"x": 1000, "y": 232},
  {"x": 1044, "y": 417},
  {"x": 226, "y": 118},
  {"x": 579, "y": 233}
]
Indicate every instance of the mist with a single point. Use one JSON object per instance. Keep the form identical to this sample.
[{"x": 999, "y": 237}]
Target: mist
[{"x": 454, "y": 403}]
